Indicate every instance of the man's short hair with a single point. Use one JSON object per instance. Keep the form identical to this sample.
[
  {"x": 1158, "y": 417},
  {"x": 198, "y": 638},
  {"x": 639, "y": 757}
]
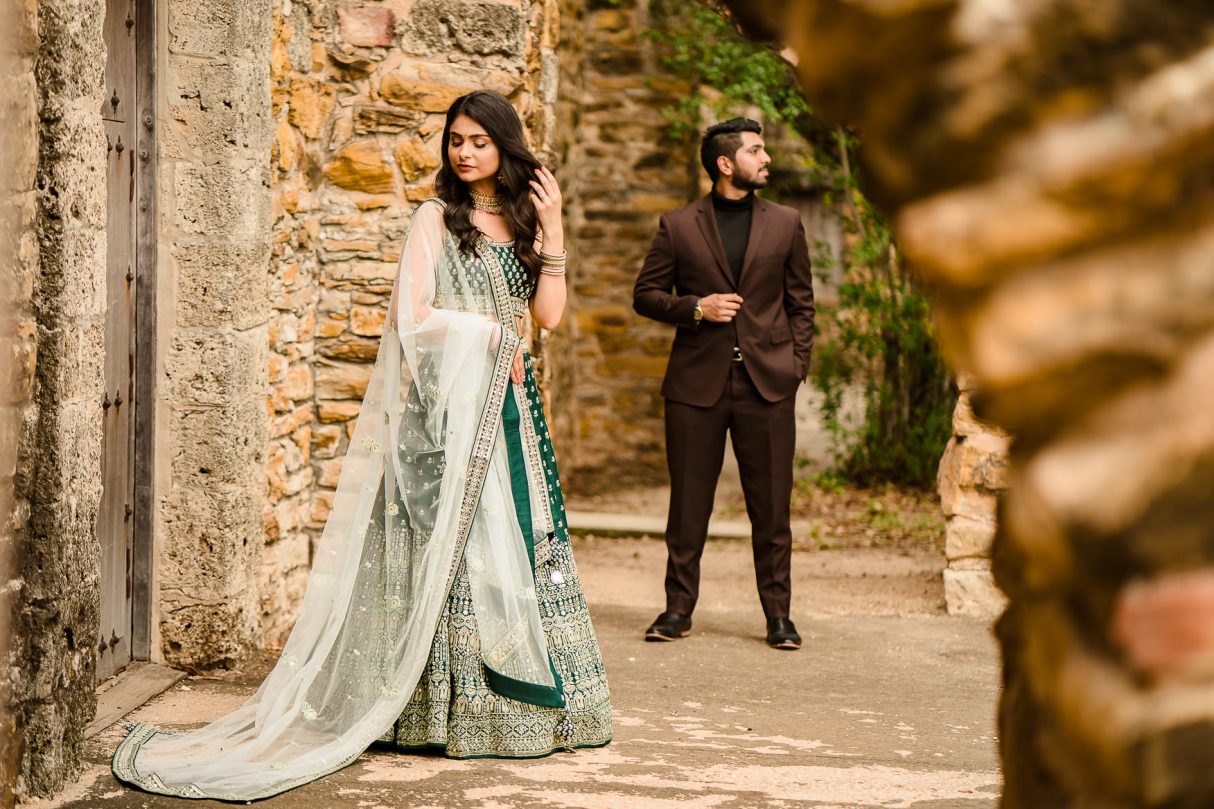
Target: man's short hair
[{"x": 724, "y": 140}]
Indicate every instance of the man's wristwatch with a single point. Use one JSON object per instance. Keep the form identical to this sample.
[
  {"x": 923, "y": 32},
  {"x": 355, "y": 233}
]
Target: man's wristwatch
[{"x": 698, "y": 312}]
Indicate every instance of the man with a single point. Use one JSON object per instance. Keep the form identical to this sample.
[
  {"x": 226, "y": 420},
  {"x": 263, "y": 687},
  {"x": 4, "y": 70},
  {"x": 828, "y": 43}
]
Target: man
[{"x": 731, "y": 272}]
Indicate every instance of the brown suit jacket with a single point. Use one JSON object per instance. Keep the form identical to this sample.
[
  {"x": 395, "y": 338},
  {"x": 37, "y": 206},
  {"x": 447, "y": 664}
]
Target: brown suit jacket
[{"x": 775, "y": 326}]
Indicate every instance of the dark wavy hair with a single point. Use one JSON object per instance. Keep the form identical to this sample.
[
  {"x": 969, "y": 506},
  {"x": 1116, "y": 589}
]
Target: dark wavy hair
[
  {"x": 724, "y": 140},
  {"x": 492, "y": 111}
]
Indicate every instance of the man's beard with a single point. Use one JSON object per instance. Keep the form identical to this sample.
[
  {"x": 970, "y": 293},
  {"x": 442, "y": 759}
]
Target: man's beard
[{"x": 751, "y": 183}]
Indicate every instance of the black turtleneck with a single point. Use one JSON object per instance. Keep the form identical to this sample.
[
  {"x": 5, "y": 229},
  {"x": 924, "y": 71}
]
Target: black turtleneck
[{"x": 733, "y": 222}]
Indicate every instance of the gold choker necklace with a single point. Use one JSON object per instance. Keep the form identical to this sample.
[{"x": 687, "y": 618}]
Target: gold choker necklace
[{"x": 488, "y": 203}]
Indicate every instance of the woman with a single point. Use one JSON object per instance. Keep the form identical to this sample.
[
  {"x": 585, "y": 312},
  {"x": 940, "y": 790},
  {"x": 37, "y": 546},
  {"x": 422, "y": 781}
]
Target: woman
[{"x": 443, "y": 607}]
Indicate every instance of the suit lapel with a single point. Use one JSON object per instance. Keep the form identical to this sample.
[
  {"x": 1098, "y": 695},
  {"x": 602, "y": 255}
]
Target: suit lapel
[
  {"x": 706, "y": 218},
  {"x": 758, "y": 223}
]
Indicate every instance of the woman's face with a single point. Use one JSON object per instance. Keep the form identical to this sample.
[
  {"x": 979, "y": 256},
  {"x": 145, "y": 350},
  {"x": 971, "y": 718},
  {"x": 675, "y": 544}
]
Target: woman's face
[{"x": 472, "y": 153}]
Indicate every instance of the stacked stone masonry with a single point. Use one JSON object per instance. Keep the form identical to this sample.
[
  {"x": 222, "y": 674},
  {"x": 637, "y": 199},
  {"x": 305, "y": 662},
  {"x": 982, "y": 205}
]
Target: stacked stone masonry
[
  {"x": 18, "y": 122},
  {"x": 973, "y": 473},
  {"x": 18, "y": 346},
  {"x": 52, "y": 343},
  {"x": 627, "y": 172}
]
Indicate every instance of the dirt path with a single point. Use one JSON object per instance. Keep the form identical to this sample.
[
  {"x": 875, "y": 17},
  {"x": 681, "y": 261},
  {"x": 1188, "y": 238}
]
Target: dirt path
[
  {"x": 854, "y": 581},
  {"x": 890, "y": 703}
]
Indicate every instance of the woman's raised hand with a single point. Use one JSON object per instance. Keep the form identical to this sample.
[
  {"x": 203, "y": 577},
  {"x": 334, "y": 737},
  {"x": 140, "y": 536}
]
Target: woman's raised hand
[{"x": 546, "y": 195}]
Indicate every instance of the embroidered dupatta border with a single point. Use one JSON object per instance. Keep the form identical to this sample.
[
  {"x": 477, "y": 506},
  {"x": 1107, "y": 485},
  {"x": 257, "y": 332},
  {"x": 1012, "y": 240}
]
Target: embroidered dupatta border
[
  {"x": 535, "y": 464},
  {"x": 551, "y": 697}
]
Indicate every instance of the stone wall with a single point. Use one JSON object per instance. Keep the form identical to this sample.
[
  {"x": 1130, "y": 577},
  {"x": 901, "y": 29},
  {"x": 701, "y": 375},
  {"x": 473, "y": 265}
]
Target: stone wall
[
  {"x": 554, "y": 352},
  {"x": 214, "y": 324},
  {"x": 53, "y": 345},
  {"x": 18, "y": 257},
  {"x": 360, "y": 92},
  {"x": 625, "y": 175},
  {"x": 301, "y": 107},
  {"x": 973, "y": 472}
]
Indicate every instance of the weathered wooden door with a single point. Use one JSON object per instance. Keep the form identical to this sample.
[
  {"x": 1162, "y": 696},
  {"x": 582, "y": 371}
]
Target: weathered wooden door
[{"x": 125, "y": 543}]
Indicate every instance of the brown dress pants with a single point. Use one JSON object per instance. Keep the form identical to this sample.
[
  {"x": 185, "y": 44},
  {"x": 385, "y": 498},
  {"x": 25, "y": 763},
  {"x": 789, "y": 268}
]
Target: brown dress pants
[{"x": 764, "y": 436}]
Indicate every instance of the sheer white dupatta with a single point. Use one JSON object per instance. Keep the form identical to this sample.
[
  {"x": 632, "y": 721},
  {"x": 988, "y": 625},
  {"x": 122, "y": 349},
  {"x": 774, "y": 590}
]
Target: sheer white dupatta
[{"x": 425, "y": 478}]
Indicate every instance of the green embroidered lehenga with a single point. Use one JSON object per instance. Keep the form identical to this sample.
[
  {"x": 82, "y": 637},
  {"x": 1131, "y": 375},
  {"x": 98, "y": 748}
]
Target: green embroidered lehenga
[
  {"x": 443, "y": 607},
  {"x": 455, "y": 706}
]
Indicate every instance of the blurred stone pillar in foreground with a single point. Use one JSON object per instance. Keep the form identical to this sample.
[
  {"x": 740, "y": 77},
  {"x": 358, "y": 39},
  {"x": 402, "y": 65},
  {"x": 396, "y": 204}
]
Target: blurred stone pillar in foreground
[{"x": 1050, "y": 168}]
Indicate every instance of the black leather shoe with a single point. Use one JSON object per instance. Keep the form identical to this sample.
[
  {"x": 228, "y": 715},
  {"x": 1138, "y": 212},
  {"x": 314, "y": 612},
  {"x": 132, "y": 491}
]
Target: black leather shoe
[
  {"x": 781, "y": 634},
  {"x": 669, "y": 626}
]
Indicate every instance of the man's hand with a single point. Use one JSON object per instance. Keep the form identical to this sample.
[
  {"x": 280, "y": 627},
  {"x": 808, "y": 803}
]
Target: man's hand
[{"x": 721, "y": 308}]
